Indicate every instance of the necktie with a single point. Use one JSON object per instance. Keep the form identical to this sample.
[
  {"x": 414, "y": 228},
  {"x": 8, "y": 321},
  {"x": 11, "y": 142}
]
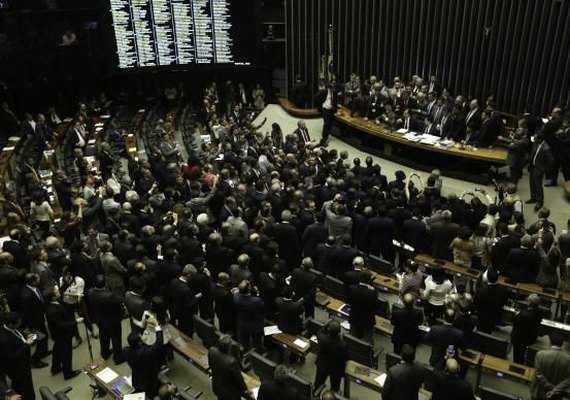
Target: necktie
[
  {"x": 536, "y": 154},
  {"x": 305, "y": 136},
  {"x": 407, "y": 124},
  {"x": 39, "y": 294}
]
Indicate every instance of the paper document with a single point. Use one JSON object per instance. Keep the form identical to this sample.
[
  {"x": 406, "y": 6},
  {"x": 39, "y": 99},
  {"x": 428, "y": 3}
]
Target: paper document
[
  {"x": 345, "y": 325},
  {"x": 402, "y": 130},
  {"x": 380, "y": 380},
  {"x": 179, "y": 341},
  {"x": 255, "y": 392},
  {"x": 301, "y": 343},
  {"x": 271, "y": 330},
  {"x": 107, "y": 375},
  {"x": 134, "y": 396}
]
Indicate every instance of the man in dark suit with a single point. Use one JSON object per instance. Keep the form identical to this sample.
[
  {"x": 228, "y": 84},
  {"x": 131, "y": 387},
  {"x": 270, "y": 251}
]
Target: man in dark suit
[
  {"x": 183, "y": 302},
  {"x": 525, "y": 328},
  {"x": 62, "y": 327},
  {"x": 408, "y": 122},
  {"x": 556, "y": 146},
  {"x": 445, "y": 124},
  {"x": 224, "y": 304},
  {"x": 145, "y": 361},
  {"x": 15, "y": 356},
  {"x": 10, "y": 280},
  {"x": 380, "y": 235},
  {"x": 227, "y": 381},
  {"x": 290, "y": 312},
  {"x": 303, "y": 283},
  {"x": 302, "y": 134},
  {"x": 249, "y": 315},
  {"x": 135, "y": 303},
  {"x": 551, "y": 371},
  {"x": 363, "y": 302},
  {"x": 414, "y": 231},
  {"x": 332, "y": 356},
  {"x": 522, "y": 263},
  {"x": 33, "y": 312},
  {"x": 287, "y": 237},
  {"x": 278, "y": 387},
  {"x": 502, "y": 247},
  {"x": 343, "y": 257},
  {"x": 406, "y": 323},
  {"x": 323, "y": 257},
  {"x": 540, "y": 161},
  {"x": 314, "y": 234},
  {"x": 473, "y": 117},
  {"x": 489, "y": 302},
  {"x": 450, "y": 386},
  {"x": 270, "y": 286},
  {"x": 403, "y": 381},
  {"x": 16, "y": 248},
  {"x": 443, "y": 232},
  {"x": 442, "y": 338},
  {"x": 106, "y": 310}
]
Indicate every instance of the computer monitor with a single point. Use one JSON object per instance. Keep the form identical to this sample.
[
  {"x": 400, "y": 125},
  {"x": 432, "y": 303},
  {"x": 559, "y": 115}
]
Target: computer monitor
[
  {"x": 361, "y": 351},
  {"x": 380, "y": 266},
  {"x": 489, "y": 344},
  {"x": 304, "y": 388},
  {"x": 206, "y": 332},
  {"x": 486, "y": 393},
  {"x": 392, "y": 359},
  {"x": 263, "y": 367},
  {"x": 335, "y": 288}
]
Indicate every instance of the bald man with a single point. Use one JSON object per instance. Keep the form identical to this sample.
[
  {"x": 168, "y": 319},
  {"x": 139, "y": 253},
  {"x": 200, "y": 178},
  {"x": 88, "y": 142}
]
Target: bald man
[
  {"x": 450, "y": 386},
  {"x": 406, "y": 322}
]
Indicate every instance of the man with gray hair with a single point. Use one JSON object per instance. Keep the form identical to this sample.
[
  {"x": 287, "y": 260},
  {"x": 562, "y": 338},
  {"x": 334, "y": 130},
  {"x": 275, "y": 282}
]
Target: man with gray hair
[
  {"x": 522, "y": 263},
  {"x": 287, "y": 237},
  {"x": 525, "y": 328},
  {"x": 277, "y": 388},
  {"x": 303, "y": 282},
  {"x": 443, "y": 232},
  {"x": 183, "y": 300}
]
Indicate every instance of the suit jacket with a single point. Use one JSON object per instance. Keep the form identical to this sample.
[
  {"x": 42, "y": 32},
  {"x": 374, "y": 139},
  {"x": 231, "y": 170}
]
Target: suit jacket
[
  {"x": 136, "y": 305},
  {"x": 145, "y": 362},
  {"x": 183, "y": 301},
  {"x": 224, "y": 306},
  {"x": 32, "y": 310},
  {"x": 272, "y": 390},
  {"x": 406, "y": 323},
  {"x": 541, "y": 159},
  {"x": 410, "y": 123},
  {"x": 324, "y": 260},
  {"x": 303, "y": 284},
  {"x": 443, "y": 336},
  {"x": 304, "y": 137},
  {"x": 445, "y": 126},
  {"x": 333, "y": 353},
  {"x": 15, "y": 354},
  {"x": 489, "y": 132},
  {"x": 269, "y": 290},
  {"x": 451, "y": 387},
  {"x": 443, "y": 233},
  {"x": 551, "y": 372},
  {"x": 525, "y": 327},
  {"x": 113, "y": 270},
  {"x": 227, "y": 381},
  {"x": 522, "y": 265},
  {"x": 473, "y": 120},
  {"x": 414, "y": 232},
  {"x": 313, "y": 235},
  {"x": 342, "y": 259},
  {"x": 20, "y": 254},
  {"x": 501, "y": 250},
  {"x": 380, "y": 233},
  {"x": 61, "y": 321},
  {"x": 363, "y": 302},
  {"x": 287, "y": 237},
  {"x": 489, "y": 302},
  {"x": 11, "y": 284},
  {"x": 290, "y": 315},
  {"x": 249, "y": 313},
  {"x": 403, "y": 381},
  {"x": 105, "y": 307}
]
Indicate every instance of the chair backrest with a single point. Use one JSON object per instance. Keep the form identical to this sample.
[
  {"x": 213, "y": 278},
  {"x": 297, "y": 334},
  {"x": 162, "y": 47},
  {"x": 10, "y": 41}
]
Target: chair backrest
[
  {"x": 206, "y": 331},
  {"x": 529, "y": 355},
  {"x": 304, "y": 387},
  {"x": 314, "y": 326},
  {"x": 360, "y": 351},
  {"x": 383, "y": 308},
  {"x": 263, "y": 367},
  {"x": 320, "y": 277},
  {"x": 47, "y": 394},
  {"x": 335, "y": 288},
  {"x": 380, "y": 266},
  {"x": 545, "y": 309},
  {"x": 491, "y": 394},
  {"x": 489, "y": 344},
  {"x": 392, "y": 359}
]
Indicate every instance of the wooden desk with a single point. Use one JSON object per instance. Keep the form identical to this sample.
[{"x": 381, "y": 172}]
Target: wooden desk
[
  {"x": 448, "y": 266},
  {"x": 250, "y": 381},
  {"x": 298, "y": 112},
  {"x": 98, "y": 365},
  {"x": 287, "y": 340},
  {"x": 567, "y": 188},
  {"x": 504, "y": 367},
  {"x": 192, "y": 351},
  {"x": 386, "y": 283},
  {"x": 365, "y": 376},
  {"x": 496, "y": 155}
]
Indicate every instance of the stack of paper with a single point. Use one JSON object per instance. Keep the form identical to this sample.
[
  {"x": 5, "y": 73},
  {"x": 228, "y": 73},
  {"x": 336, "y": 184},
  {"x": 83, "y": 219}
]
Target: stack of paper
[
  {"x": 106, "y": 375},
  {"x": 271, "y": 330},
  {"x": 381, "y": 380},
  {"x": 300, "y": 343}
]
